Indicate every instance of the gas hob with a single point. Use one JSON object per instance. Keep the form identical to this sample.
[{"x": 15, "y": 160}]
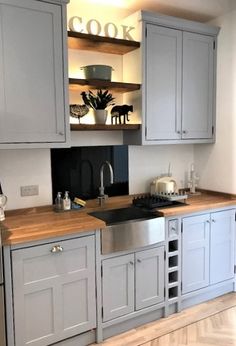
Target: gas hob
[{"x": 160, "y": 201}]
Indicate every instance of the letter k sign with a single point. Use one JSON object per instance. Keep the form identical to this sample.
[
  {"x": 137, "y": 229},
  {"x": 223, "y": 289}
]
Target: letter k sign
[{"x": 126, "y": 32}]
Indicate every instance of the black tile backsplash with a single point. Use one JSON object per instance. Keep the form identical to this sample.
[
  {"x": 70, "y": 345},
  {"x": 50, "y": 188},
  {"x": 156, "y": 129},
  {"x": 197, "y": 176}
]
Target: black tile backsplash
[{"x": 77, "y": 170}]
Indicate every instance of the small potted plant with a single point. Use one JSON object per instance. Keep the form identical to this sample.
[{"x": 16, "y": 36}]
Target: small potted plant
[{"x": 98, "y": 102}]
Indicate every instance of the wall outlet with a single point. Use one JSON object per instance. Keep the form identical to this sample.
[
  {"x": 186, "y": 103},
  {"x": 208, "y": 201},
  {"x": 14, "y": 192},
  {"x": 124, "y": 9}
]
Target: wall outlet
[{"x": 29, "y": 190}]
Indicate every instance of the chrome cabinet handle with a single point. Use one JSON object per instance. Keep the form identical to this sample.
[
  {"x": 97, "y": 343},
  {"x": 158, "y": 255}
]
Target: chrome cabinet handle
[
  {"x": 173, "y": 228},
  {"x": 208, "y": 221},
  {"x": 56, "y": 249},
  {"x": 139, "y": 260},
  {"x": 61, "y": 133},
  {"x": 131, "y": 262}
]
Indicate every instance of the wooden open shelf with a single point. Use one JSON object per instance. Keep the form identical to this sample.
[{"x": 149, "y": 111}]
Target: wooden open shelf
[
  {"x": 102, "y": 44},
  {"x": 101, "y": 127},
  {"x": 85, "y": 84}
]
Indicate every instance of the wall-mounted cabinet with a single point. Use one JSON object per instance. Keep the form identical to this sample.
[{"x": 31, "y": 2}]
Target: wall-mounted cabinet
[
  {"x": 178, "y": 62},
  {"x": 33, "y": 87},
  {"x": 179, "y": 84}
]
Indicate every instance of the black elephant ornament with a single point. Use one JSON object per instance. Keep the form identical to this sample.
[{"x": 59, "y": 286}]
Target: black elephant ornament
[{"x": 120, "y": 114}]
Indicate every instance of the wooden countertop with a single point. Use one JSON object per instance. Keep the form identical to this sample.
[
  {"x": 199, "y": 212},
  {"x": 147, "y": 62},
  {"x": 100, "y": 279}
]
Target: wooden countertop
[
  {"x": 26, "y": 225},
  {"x": 197, "y": 203}
]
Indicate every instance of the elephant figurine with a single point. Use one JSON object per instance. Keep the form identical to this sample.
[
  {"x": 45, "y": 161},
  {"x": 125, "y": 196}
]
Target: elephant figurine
[{"x": 117, "y": 112}]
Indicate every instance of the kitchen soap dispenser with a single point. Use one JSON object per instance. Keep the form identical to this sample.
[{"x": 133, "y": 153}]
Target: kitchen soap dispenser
[{"x": 66, "y": 201}]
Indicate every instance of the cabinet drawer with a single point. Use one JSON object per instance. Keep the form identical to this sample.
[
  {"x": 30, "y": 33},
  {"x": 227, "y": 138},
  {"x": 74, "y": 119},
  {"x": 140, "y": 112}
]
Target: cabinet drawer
[{"x": 41, "y": 262}]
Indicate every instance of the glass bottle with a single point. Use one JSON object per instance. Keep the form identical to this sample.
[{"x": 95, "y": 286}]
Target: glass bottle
[
  {"x": 59, "y": 202},
  {"x": 66, "y": 201}
]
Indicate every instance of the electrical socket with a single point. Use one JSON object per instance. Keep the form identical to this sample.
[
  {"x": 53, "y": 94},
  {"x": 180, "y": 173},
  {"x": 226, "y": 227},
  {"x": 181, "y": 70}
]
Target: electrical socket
[{"x": 29, "y": 190}]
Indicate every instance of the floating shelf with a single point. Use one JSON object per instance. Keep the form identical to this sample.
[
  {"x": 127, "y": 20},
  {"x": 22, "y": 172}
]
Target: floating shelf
[
  {"x": 102, "y": 44},
  {"x": 101, "y": 127},
  {"x": 85, "y": 84}
]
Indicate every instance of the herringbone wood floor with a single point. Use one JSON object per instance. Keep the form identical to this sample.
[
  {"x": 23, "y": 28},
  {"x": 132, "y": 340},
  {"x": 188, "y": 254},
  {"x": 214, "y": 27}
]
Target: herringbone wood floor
[{"x": 207, "y": 324}]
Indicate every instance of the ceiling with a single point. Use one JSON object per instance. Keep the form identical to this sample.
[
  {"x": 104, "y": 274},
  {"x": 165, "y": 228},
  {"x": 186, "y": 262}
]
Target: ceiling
[{"x": 199, "y": 10}]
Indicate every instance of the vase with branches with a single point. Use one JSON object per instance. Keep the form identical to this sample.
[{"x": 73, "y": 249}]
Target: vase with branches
[{"x": 98, "y": 101}]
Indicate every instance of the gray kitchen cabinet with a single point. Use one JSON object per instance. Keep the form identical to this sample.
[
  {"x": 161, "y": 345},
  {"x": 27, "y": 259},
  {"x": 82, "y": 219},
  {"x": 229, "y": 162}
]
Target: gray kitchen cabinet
[
  {"x": 33, "y": 70},
  {"x": 207, "y": 249},
  {"x": 222, "y": 246},
  {"x": 195, "y": 253},
  {"x": 163, "y": 83},
  {"x": 117, "y": 286},
  {"x": 149, "y": 279},
  {"x": 124, "y": 282},
  {"x": 178, "y": 63},
  {"x": 54, "y": 291},
  {"x": 179, "y": 85},
  {"x": 198, "y": 86}
]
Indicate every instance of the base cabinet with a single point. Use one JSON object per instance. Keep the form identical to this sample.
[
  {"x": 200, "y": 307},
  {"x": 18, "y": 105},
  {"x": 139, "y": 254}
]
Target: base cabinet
[
  {"x": 222, "y": 246},
  {"x": 54, "y": 291},
  {"x": 195, "y": 253},
  {"x": 207, "y": 249},
  {"x": 132, "y": 282}
]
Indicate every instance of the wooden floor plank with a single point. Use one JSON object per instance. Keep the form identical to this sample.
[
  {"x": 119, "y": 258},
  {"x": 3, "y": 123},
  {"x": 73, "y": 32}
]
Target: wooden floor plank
[{"x": 207, "y": 324}]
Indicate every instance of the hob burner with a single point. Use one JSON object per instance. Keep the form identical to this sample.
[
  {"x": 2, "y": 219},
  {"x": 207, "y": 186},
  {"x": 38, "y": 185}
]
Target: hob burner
[{"x": 153, "y": 201}]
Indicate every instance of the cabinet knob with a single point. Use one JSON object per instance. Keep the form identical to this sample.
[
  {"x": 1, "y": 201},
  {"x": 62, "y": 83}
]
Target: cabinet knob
[
  {"x": 208, "y": 221},
  {"x": 61, "y": 133},
  {"x": 213, "y": 220},
  {"x": 173, "y": 228},
  {"x": 56, "y": 249},
  {"x": 178, "y": 132},
  {"x": 131, "y": 262},
  {"x": 185, "y": 132},
  {"x": 139, "y": 260}
]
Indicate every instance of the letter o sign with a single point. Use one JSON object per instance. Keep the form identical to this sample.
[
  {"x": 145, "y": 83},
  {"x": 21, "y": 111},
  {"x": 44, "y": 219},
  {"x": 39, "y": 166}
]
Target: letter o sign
[
  {"x": 110, "y": 27},
  {"x": 93, "y": 27}
]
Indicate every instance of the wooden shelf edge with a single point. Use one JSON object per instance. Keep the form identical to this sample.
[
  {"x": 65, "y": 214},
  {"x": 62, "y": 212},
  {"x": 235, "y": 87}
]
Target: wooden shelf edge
[
  {"x": 101, "y": 127},
  {"x": 76, "y": 83},
  {"x": 77, "y": 40}
]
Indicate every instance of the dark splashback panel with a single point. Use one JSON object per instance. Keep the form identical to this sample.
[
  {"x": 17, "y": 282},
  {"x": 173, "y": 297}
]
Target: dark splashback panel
[{"x": 78, "y": 170}]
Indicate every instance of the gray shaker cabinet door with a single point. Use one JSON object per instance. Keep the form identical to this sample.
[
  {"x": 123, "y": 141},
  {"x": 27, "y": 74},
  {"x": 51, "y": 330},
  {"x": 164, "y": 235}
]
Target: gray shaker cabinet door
[
  {"x": 54, "y": 293},
  {"x": 118, "y": 286},
  {"x": 149, "y": 277},
  {"x": 31, "y": 72},
  {"x": 222, "y": 246},
  {"x": 163, "y": 83},
  {"x": 198, "y": 86},
  {"x": 195, "y": 252}
]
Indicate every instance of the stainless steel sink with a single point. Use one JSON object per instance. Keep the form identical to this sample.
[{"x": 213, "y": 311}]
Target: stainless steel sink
[
  {"x": 129, "y": 228},
  {"x": 115, "y": 216}
]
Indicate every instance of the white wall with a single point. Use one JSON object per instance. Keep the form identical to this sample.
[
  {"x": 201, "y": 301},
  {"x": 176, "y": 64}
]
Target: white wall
[
  {"x": 26, "y": 167},
  {"x": 217, "y": 163},
  {"x": 147, "y": 162}
]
